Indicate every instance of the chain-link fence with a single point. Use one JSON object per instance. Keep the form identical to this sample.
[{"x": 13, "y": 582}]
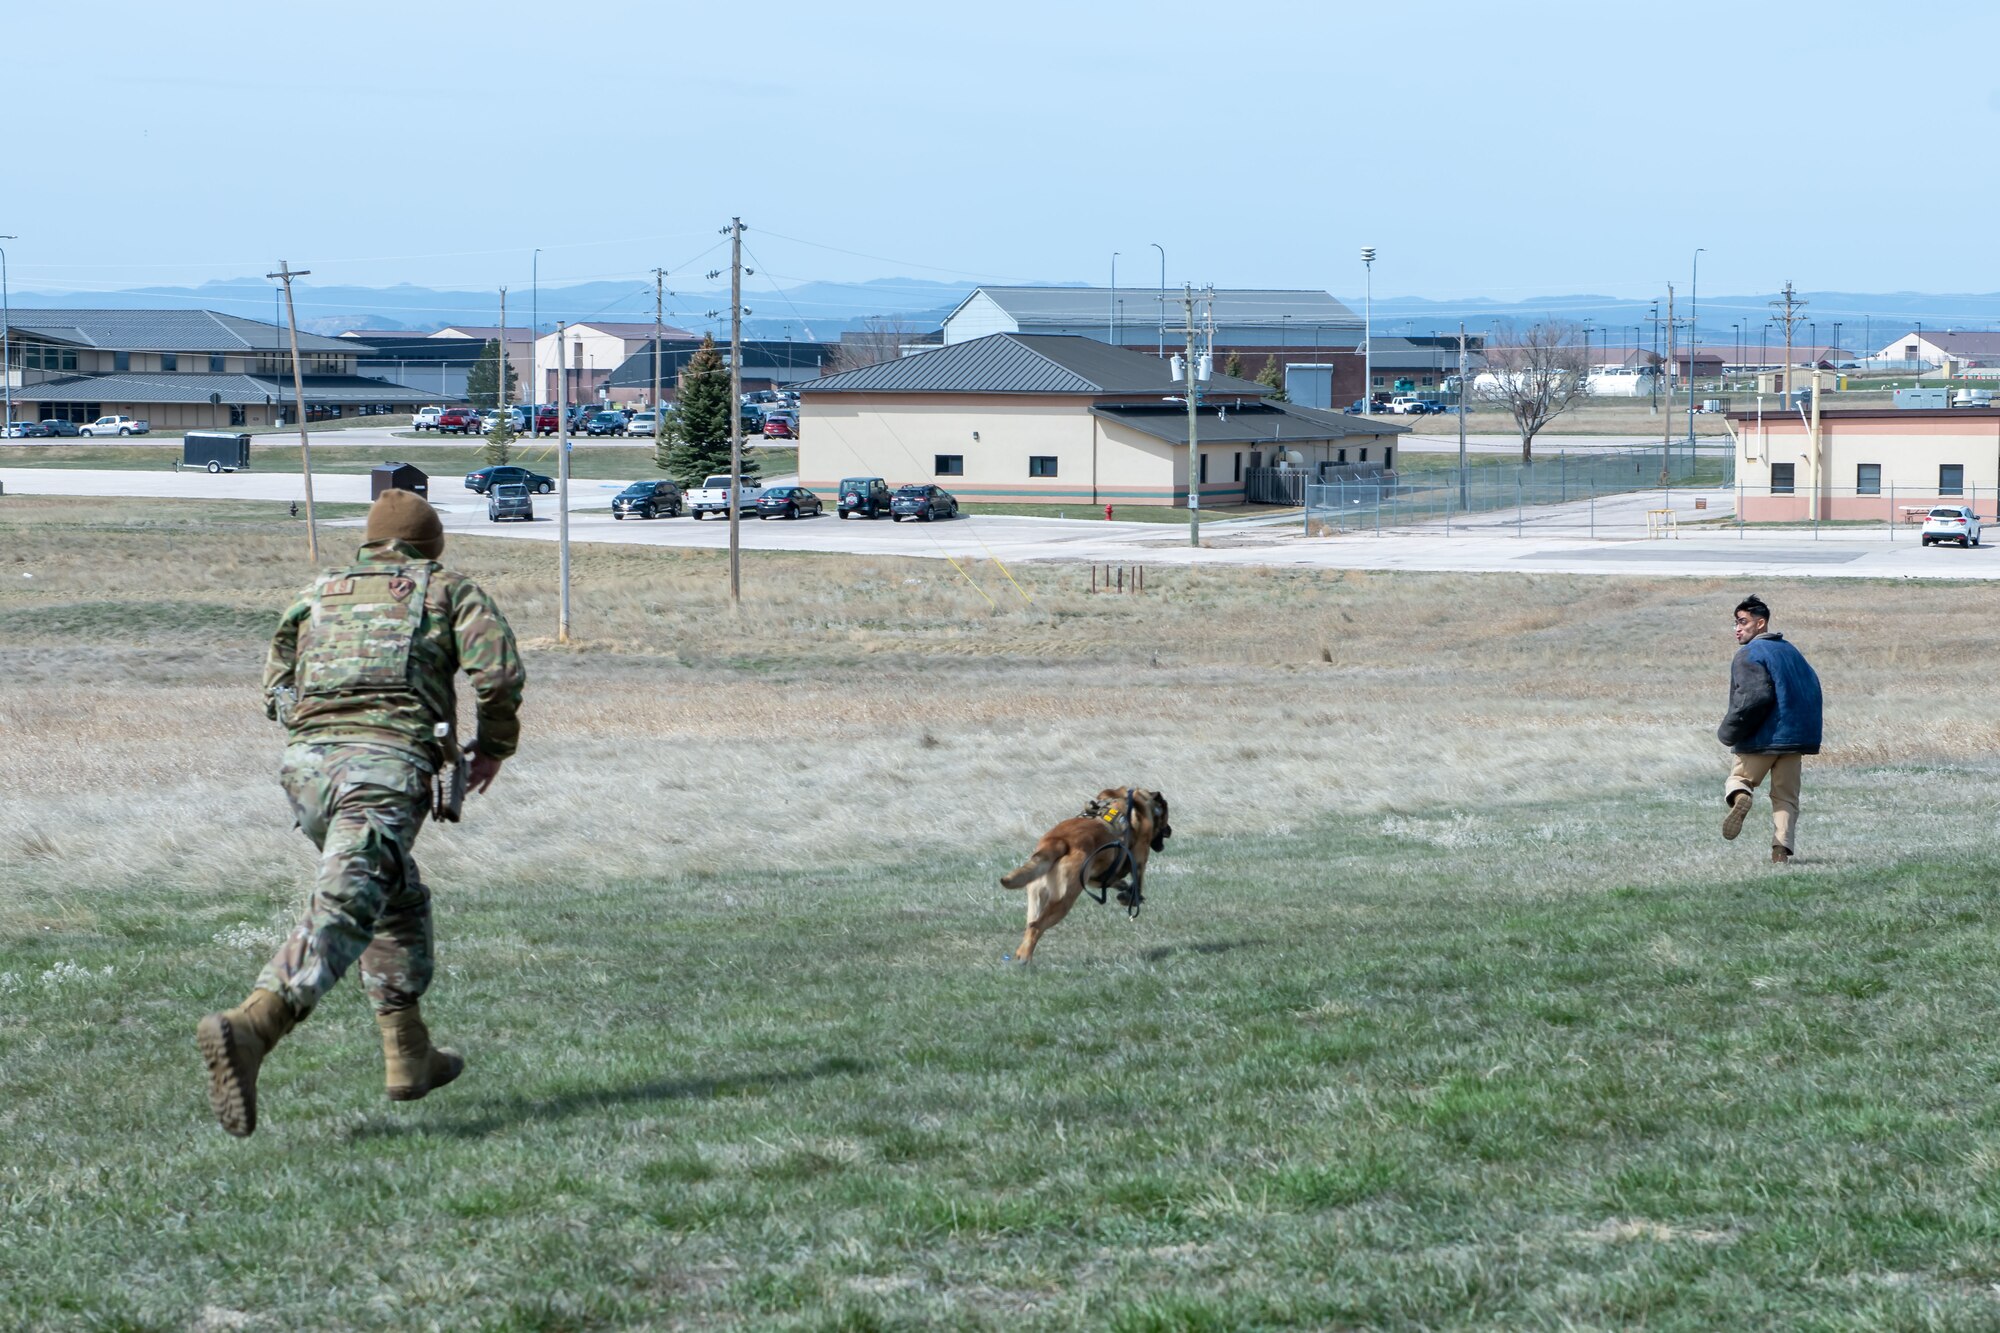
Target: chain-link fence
[{"x": 1640, "y": 489}]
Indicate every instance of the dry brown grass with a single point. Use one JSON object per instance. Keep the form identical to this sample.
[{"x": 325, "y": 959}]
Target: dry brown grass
[{"x": 884, "y": 704}]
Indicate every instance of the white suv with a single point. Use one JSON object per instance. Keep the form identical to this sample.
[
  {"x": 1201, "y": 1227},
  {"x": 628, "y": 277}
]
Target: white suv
[{"x": 1952, "y": 523}]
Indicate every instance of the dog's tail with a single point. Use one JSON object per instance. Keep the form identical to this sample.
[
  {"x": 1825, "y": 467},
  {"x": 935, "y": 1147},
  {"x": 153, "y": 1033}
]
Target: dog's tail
[{"x": 1021, "y": 876}]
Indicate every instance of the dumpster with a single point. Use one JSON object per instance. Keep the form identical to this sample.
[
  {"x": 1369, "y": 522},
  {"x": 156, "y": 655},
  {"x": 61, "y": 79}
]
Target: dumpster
[
  {"x": 393, "y": 476},
  {"x": 216, "y": 450}
]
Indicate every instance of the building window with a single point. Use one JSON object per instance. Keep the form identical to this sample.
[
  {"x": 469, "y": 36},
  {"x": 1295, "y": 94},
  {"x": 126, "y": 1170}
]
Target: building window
[
  {"x": 1951, "y": 479},
  {"x": 1910, "y": 352},
  {"x": 1364, "y": 453},
  {"x": 1781, "y": 478},
  {"x": 215, "y": 367},
  {"x": 1202, "y": 470},
  {"x": 1237, "y": 474},
  {"x": 1379, "y": 381},
  {"x": 949, "y": 465},
  {"x": 1388, "y": 456},
  {"x": 121, "y": 361},
  {"x": 1868, "y": 479},
  {"x": 1342, "y": 458},
  {"x": 1041, "y": 465},
  {"x": 1427, "y": 381},
  {"x": 170, "y": 361}
]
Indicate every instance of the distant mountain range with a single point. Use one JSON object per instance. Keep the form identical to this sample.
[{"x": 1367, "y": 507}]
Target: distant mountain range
[{"x": 823, "y": 310}]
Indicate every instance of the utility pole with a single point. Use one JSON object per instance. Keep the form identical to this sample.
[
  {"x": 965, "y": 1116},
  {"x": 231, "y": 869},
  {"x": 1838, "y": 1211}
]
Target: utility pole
[
  {"x": 1653, "y": 389},
  {"x": 1368, "y": 332},
  {"x": 1194, "y": 446},
  {"x": 286, "y": 272},
  {"x": 1667, "y": 424},
  {"x": 562, "y": 471},
  {"x": 500, "y": 391},
  {"x": 659, "y": 298},
  {"x": 1111, "y": 318},
  {"x": 1161, "y": 323},
  {"x": 1694, "y": 337},
  {"x": 735, "y": 411},
  {"x": 1461, "y": 419},
  {"x": 6, "y": 347},
  {"x": 534, "y": 339},
  {"x": 1790, "y": 304}
]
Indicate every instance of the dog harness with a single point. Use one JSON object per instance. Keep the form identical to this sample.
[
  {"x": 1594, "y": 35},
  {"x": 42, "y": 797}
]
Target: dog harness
[{"x": 1123, "y": 872}]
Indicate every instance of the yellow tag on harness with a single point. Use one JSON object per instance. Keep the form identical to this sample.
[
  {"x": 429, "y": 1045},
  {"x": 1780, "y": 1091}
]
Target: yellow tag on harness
[{"x": 1110, "y": 816}]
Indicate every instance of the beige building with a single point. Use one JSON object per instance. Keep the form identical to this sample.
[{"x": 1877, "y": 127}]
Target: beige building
[
  {"x": 518, "y": 347},
  {"x": 592, "y": 354},
  {"x": 1053, "y": 419},
  {"x": 1877, "y": 463}
]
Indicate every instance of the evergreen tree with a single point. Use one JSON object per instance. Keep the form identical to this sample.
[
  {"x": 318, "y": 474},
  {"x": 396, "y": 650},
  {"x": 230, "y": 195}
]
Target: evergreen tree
[
  {"x": 482, "y": 382},
  {"x": 703, "y": 421},
  {"x": 499, "y": 439},
  {"x": 1235, "y": 367},
  {"x": 666, "y": 433},
  {"x": 1272, "y": 377}
]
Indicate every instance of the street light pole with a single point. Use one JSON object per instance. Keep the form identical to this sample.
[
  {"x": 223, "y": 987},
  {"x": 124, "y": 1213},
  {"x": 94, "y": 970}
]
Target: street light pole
[
  {"x": 1368, "y": 331},
  {"x": 1194, "y": 445},
  {"x": 1694, "y": 336},
  {"x": 534, "y": 336},
  {"x": 562, "y": 472},
  {"x": 1111, "y": 316},
  {"x": 1161, "y": 352},
  {"x": 6, "y": 347}
]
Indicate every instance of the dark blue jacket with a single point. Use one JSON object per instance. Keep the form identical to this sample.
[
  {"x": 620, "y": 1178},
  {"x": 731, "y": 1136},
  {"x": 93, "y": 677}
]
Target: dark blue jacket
[{"x": 1774, "y": 700}]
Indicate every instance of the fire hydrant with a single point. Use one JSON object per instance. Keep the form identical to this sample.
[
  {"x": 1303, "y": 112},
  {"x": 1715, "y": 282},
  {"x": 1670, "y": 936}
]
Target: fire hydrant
[{"x": 1107, "y": 513}]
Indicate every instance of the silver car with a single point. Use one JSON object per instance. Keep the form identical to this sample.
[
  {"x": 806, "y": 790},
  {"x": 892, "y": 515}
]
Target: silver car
[
  {"x": 510, "y": 500},
  {"x": 1952, "y": 523}
]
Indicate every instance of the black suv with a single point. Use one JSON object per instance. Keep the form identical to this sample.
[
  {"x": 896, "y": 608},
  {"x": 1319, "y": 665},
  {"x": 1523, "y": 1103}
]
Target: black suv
[
  {"x": 486, "y": 478},
  {"x": 866, "y": 496},
  {"x": 647, "y": 499},
  {"x": 610, "y": 422},
  {"x": 923, "y": 503}
]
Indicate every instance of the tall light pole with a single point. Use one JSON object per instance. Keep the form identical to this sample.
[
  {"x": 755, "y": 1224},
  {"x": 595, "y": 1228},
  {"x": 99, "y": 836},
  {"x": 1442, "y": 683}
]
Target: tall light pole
[
  {"x": 1111, "y": 318},
  {"x": 562, "y": 472},
  {"x": 1193, "y": 388},
  {"x": 1161, "y": 351},
  {"x": 1368, "y": 331},
  {"x": 534, "y": 336},
  {"x": 6, "y": 347},
  {"x": 1694, "y": 336}
]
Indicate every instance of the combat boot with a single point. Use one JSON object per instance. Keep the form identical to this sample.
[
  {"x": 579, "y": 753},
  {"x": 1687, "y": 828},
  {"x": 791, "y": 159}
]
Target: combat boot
[
  {"x": 1781, "y": 855},
  {"x": 413, "y": 1065},
  {"x": 233, "y": 1044},
  {"x": 1739, "y": 810}
]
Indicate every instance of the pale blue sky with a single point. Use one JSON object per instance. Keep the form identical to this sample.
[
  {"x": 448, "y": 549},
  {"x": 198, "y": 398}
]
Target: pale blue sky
[{"x": 1505, "y": 150}]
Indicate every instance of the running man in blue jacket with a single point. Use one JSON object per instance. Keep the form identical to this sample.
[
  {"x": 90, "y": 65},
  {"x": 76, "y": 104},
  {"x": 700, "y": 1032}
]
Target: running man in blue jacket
[{"x": 1773, "y": 720}]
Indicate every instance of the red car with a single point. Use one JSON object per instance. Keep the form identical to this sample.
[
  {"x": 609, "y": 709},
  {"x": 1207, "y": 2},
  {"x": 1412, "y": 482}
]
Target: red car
[
  {"x": 546, "y": 421},
  {"x": 457, "y": 421},
  {"x": 779, "y": 428}
]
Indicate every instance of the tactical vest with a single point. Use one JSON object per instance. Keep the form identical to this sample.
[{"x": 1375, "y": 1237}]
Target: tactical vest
[{"x": 364, "y": 635}]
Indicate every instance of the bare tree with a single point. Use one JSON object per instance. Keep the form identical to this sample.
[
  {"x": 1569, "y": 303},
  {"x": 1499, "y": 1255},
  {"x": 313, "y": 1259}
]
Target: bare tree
[
  {"x": 1537, "y": 373},
  {"x": 880, "y": 338}
]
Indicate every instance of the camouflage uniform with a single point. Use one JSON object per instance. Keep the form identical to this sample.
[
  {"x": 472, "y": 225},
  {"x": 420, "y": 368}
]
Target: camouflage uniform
[{"x": 361, "y": 671}]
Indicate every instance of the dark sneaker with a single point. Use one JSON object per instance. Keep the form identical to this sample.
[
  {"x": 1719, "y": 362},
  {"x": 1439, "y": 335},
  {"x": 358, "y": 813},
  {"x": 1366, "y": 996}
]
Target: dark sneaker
[
  {"x": 1739, "y": 810},
  {"x": 1780, "y": 856}
]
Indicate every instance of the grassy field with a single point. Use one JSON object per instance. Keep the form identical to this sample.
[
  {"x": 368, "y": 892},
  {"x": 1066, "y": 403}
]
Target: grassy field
[{"x": 1449, "y": 1008}]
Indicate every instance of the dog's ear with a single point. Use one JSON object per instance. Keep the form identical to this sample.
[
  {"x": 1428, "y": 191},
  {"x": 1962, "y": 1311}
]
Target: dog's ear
[{"x": 1162, "y": 830}]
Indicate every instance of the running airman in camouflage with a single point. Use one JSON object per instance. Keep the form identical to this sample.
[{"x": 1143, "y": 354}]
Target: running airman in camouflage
[{"x": 361, "y": 672}]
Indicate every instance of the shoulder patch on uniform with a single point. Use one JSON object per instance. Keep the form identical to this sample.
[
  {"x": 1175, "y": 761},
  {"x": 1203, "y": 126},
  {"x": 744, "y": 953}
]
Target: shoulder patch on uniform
[
  {"x": 337, "y": 587},
  {"x": 401, "y": 586}
]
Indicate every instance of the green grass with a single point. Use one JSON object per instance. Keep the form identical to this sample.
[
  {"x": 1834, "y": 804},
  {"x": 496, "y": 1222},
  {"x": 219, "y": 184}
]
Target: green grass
[{"x": 1361, "y": 1073}]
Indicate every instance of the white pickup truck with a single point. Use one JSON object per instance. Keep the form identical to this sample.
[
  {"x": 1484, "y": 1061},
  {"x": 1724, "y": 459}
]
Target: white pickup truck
[
  {"x": 712, "y": 497},
  {"x": 426, "y": 418},
  {"x": 116, "y": 426}
]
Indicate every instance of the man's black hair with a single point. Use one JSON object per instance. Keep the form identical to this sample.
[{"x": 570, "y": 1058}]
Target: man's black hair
[{"x": 1755, "y": 606}]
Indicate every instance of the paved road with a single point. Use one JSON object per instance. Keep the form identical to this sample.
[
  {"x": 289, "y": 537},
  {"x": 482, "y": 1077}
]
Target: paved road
[{"x": 1547, "y": 539}]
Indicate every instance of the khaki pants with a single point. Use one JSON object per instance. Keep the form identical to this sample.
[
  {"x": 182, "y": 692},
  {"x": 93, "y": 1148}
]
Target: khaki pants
[{"x": 1749, "y": 770}]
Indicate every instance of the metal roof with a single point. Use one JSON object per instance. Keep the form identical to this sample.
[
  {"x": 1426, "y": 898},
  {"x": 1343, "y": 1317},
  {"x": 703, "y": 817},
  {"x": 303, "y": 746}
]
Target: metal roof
[
  {"x": 234, "y": 389},
  {"x": 1023, "y": 363},
  {"x": 636, "y": 370},
  {"x": 1265, "y": 422},
  {"x": 1273, "y": 306},
  {"x": 163, "y": 331}
]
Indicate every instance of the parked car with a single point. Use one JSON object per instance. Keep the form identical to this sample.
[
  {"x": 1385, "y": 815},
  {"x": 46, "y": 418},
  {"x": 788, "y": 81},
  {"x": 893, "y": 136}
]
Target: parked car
[
  {"x": 578, "y": 414},
  {"x": 780, "y": 426},
  {"x": 24, "y": 430},
  {"x": 508, "y": 474},
  {"x": 866, "y": 496},
  {"x": 546, "y": 421},
  {"x": 640, "y": 423},
  {"x": 605, "y": 423},
  {"x": 509, "y": 500},
  {"x": 647, "y": 499},
  {"x": 52, "y": 426},
  {"x": 458, "y": 421},
  {"x": 517, "y": 420},
  {"x": 789, "y": 502},
  {"x": 117, "y": 426},
  {"x": 1952, "y": 523},
  {"x": 923, "y": 502},
  {"x": 426, "y": 418},
  {"x": 712, "y": 497},
  {"x": 757, "y": 396}
]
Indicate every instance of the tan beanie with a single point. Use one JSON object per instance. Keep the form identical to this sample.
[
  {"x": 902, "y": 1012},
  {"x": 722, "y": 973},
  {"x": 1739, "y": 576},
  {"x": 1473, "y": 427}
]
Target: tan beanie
[{"x": 406, "y": 516}]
